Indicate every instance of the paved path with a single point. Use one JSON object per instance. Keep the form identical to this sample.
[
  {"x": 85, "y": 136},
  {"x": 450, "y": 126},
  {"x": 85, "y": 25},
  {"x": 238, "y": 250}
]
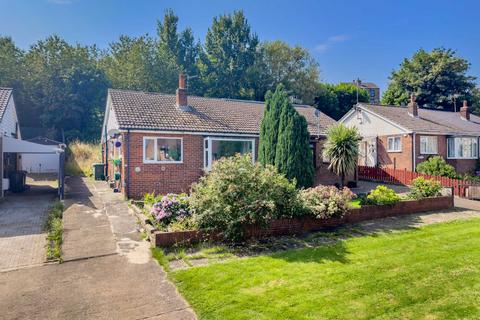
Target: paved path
[
  {"x": 464, "y": 209},
  {"x": 108, "y": 272},
  {"x": 22, "y": 239}
]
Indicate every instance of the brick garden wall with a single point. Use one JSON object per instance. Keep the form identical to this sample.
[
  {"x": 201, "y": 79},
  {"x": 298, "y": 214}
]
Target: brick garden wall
[{"x": 307, "y": 224}]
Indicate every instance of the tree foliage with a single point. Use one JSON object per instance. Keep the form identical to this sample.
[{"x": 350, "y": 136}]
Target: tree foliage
[
  {"x": 230, "y": 50},
  {"x": 274, "y": 104},
  {"x": 435, "y": 77},
  {"x": 61, "y": 86},
  {"x": 293, "y": 67},
  {"x": 66, "y": 88},
  {"x": 342, "y": 149},
  {"x": 293, "y": 156},
  {"x": 336, "y": 100}
]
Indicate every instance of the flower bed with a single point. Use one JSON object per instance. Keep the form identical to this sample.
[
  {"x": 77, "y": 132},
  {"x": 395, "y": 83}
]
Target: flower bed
[{"x": 299, "y": 225}]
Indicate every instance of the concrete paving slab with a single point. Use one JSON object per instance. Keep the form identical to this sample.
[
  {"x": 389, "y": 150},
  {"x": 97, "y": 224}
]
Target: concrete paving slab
[
  {"x": 111, "y": 276},
  {"x": 22, "y": 239}
]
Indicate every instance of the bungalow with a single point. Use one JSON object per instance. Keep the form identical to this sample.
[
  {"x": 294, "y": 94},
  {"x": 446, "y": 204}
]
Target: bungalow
[
  {"x": 402, "y": 137},
  {"x": 162, "y": 143}
]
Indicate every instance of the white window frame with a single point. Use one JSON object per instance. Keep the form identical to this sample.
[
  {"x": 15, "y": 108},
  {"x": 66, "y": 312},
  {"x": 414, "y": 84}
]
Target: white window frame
[
  {"x": 426, "y": 151},
  {"x": 155, "y": 139},
  {"x": 460, "y": 137},
  {"x": 207, "y": 149},
  {"x": 393, "y": 138}
]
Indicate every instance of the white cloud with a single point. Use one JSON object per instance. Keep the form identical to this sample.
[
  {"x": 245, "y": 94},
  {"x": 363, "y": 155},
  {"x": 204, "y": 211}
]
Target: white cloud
[{"x": 331, "y": 41}]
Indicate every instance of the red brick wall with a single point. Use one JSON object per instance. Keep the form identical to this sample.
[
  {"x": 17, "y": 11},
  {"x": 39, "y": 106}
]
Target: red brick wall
[
  {"x": 165, "y": 177},
  {"x": 398, "y": 160},
  {"x": 306, "y": 224},
  {"x": 403, "y": 160},
  {"x": 322, "y": 174}
]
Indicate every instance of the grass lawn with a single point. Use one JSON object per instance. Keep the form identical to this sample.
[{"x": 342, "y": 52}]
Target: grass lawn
[{"x": 427, "y": 273}]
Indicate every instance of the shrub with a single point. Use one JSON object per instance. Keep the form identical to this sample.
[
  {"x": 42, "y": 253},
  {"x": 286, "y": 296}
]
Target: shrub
[
  {"x": 326, "y": 201},
  {"x": 424, "y": 188},
  {"x": 382, "y": 195},
  {"x": 54, "y": 227},
  {"x": 172, "y": 212},
  {"x": 237, "y": 193},
  {"x": 80, "y": 157},
  {"x": 437, "y": 166}
]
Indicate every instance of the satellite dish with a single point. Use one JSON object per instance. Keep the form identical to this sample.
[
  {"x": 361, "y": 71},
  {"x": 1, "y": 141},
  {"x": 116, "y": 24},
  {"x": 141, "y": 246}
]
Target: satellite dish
[
  {"x": 317, "y": 113},
  {"x": 113, "y": 132}
]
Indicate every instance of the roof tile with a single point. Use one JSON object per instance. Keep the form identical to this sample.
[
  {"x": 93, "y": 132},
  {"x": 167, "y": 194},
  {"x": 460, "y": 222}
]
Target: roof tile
[{"x": 156, "y": 111}]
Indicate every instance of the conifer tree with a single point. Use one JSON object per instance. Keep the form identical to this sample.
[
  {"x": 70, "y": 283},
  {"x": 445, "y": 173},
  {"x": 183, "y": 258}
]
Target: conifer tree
[
  {"x": 274, "y": 103},
  {"x": 289, "y": 142}
]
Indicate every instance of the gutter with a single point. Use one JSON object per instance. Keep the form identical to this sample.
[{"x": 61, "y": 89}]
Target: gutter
[
  {"x": 414, "y": 160},
  {"x": 127, "y": 164}
]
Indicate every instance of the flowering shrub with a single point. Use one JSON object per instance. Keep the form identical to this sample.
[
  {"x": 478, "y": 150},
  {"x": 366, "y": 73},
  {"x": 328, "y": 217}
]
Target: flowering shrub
[
  {"x": 171, "y": 210},
  {"x": 424, "y": 188},
  {"x": 326, "y": 201},
  {"x": 382, "y": 195},
  {"x": 437, "y": 166},
  {"x": 237, "y": 193}
]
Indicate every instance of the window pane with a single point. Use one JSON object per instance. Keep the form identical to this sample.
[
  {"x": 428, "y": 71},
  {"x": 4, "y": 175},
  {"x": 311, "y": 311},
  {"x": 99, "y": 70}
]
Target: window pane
[
  {"x": 397, "y": 143},
  {"x": 228, "y": 148},
  {"x": 149, "y": 149},
  {"x": 169, "y": 149},
  {"x": 451, "y": 147}
]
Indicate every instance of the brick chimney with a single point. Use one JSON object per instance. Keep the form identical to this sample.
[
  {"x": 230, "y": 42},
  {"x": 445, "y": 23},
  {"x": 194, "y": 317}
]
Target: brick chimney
[
  {"x": 182, "y": 102},
  {"x": 464, "y": 111},
  {"x": 413, "y": 106}
]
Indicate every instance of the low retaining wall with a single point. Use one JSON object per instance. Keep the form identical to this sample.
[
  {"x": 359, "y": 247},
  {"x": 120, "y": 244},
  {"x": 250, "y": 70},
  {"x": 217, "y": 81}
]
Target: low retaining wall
[{"x": 307, "y": 224}]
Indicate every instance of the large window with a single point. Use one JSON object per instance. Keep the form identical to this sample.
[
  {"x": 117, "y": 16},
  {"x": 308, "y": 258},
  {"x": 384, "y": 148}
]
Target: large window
[
  {"x": 428, "y": 145},
  {"x": 217, "y": 148},
  {"x": 463, "y": 147},
  {"x": 394, "y": 144},
  {"x": 162, "y": 150}
]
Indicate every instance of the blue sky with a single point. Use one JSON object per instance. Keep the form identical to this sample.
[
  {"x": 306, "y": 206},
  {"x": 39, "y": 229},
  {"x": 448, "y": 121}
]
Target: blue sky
[{"x": 365, "y": 39}]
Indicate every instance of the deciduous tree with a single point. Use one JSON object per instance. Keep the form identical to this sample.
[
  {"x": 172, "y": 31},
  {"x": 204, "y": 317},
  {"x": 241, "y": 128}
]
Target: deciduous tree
[{"x": 436, "y": 77}]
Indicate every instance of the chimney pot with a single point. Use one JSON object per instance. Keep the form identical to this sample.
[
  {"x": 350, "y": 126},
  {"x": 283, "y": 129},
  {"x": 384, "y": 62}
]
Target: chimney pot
[
  {"x": 182, "y": 101},
  {"x": 413, "y": 106},
  {"x": 182, "y": 81},
  {"x": 464, "y": 111}
]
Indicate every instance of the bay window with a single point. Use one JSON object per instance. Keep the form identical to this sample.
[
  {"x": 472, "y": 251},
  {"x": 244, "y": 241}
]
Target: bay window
[
  {"x": 217, "y": 148},
  {"x": 463, "y": 147},
  {"x": 428, "y": 145},
  {"x": 162, "y": 150},
  {"x": 394, "y": 144}
]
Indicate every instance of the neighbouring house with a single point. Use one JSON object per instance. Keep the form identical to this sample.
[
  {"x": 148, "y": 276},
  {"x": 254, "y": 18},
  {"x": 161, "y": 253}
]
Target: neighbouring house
[
  {"x": 402, "y": 137},
  {"x": 13, "y": 149},
  {"x": 373, "y": 91},
  {"x": 9, "y": 126},
  {"x": 163, "y": 143}
]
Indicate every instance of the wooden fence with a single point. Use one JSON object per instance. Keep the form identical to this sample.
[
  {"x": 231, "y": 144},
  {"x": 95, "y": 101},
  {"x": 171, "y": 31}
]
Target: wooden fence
[{"x": 405, "y": 177}]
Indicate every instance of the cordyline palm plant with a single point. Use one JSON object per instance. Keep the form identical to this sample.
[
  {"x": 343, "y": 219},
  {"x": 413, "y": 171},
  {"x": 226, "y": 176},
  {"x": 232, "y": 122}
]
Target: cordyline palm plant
[{"x": 342, "y": 149}]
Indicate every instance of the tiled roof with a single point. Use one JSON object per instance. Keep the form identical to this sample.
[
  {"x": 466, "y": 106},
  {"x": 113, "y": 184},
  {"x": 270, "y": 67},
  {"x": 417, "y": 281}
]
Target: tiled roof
[
  {"x": 428, "y": 120},
  {"x": 5, "y": 94},
  {"x": 155, "y": 111},
  {"x": 368, "y": 85}
]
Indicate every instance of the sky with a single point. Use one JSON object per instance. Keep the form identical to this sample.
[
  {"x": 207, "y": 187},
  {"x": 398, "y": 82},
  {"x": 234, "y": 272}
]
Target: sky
[{"x": 349, "y": 39}]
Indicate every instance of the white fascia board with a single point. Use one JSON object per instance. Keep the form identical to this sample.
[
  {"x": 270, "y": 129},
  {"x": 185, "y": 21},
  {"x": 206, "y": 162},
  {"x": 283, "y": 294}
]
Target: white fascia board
[{"x": 385, "y": 119}]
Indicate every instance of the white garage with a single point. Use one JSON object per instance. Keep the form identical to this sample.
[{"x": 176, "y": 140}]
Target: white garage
[{"x": 41, "y": 163}]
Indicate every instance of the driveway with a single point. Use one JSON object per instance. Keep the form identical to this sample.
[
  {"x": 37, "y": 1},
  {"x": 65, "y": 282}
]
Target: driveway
[
  {"x": 22, "y": 240},
  {"x": 108, "y": 272}
]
